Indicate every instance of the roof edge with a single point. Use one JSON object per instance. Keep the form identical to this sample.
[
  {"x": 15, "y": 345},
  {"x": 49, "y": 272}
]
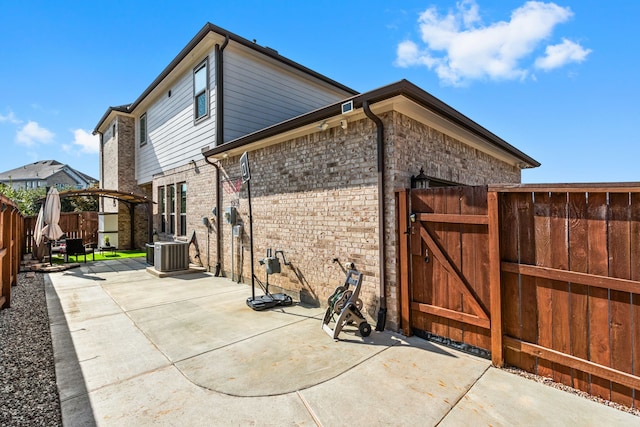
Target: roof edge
[
  {"x": 206, "y": 29},
  {"x": 402, "y": 87}
]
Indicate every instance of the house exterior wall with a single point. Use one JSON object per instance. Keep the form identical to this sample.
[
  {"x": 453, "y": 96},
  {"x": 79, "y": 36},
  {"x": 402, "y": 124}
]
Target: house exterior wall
[
  {"x": 61, "y": 179},
  {"x": 172, "y": 136},
  {"x": 257, "y": 93},
  {"x": 411, "y": 145},
  {"x": 316, "y": 198},
  {"x": 118, "y": 174}
]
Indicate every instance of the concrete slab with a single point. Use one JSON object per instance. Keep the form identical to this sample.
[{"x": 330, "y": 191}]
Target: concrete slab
[
  {"x": 165, "y": 397},
  {"x": 210, "y": 322},
  {"x": 83, "y": 302},
  {"x": 265, "y": 364},
  {"x": 503, "y": 399},
  {"x": 108, "y": 349},
  {"x": 187, "y": 350},
  {"x": 149, "y": 291},
  {"x": 412, "y": 383}
]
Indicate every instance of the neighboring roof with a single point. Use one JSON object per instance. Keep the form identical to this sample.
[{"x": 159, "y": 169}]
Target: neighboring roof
[
  {"x": 208, "y": 28},
  {"x": 41, "y": 170},
  {"x": 401, "y": 88}
]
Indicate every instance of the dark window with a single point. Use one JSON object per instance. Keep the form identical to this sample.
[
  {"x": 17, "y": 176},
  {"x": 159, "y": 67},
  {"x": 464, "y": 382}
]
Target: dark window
[
  {"x": 163, "y": 210},
  {"x": 200, "y": 90},
  {"x": 183, "y": 209},
  {"x": 172, "y": 209},
  {"x": 143, "y": 129}
]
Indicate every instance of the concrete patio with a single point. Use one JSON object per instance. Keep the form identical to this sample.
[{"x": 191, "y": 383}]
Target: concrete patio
[{"x": 135, "y": 349}]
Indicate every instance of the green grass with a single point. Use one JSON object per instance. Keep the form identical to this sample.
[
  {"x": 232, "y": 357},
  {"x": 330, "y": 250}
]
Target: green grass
[{"x": 105, "y": 256}]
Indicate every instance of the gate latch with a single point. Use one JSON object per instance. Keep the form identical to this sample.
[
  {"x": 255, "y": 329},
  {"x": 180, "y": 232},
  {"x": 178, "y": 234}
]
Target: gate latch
[{"x": 426, "y": 255}]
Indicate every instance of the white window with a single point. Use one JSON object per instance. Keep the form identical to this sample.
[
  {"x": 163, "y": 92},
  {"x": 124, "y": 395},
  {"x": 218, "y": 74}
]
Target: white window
[{"x": 200, "y": 91}]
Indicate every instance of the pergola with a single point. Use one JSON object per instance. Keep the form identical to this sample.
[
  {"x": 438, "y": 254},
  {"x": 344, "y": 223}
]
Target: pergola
[{"x": 130, "y": 199}]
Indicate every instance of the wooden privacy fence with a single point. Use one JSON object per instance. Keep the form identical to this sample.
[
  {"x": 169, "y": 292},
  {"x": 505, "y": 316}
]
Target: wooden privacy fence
[
  {"x": 11, "y": 230},
  {"x": 76, "y": 225},
  {"x": 546, "y": 278}
]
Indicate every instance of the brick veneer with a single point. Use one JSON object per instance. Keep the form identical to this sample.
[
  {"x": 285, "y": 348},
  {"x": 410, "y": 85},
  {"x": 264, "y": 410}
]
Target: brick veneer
[{"x": 315, "y": 197}]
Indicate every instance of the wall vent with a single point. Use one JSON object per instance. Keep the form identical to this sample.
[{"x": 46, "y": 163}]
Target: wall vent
[{"x": 347, "y": 107}]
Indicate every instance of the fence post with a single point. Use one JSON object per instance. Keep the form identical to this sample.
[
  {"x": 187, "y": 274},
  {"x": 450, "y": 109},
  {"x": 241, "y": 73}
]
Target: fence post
[
  {"x": 497, "y": 357},
  {"x": 403, "y": 252}
]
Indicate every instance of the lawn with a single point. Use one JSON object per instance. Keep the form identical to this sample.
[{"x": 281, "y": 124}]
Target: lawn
[{"x": 104, "y": 256}]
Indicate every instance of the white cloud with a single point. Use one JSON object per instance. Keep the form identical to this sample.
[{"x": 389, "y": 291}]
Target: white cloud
[
  {"x": 460, "y": 48},
  {"x": 561, "y": 54},
  {"x": 10, "y": 118},
  {"x": 32, "y": 133},
  {"x": 88, "y": 143}
]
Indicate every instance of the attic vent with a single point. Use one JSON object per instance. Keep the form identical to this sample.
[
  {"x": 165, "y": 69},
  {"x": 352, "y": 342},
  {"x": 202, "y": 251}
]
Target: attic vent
[{"x": 347, "y": 107}]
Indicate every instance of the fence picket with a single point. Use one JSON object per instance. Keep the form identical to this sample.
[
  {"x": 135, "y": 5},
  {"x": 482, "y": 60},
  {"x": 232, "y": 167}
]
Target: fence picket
[
  {"x": 579, "y": 307},
  {"x": 620, "y": 302}
]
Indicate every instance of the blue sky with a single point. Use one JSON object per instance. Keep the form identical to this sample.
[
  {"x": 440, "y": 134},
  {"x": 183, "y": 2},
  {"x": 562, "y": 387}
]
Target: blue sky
[{"x": 558, "y": 80}]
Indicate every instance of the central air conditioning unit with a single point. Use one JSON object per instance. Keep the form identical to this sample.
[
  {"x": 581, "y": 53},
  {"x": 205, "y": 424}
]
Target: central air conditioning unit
[{"x": 171, "y": 256}]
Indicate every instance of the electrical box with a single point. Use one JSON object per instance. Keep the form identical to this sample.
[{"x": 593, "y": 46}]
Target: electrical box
[
  {"x": 230, "y": 215},
  {"x": 237, "y": 231},
  {"x": 272, "y": 265}
]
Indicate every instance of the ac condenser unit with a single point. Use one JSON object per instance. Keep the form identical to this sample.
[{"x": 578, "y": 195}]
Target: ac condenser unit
[{"x": 171, "y": 256}]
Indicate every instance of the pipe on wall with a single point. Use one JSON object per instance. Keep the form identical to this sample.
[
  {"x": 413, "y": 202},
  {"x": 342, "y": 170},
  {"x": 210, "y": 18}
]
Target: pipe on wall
[
  {"x": 219, "y": 140},
  {"x": 382, "y": 312}
]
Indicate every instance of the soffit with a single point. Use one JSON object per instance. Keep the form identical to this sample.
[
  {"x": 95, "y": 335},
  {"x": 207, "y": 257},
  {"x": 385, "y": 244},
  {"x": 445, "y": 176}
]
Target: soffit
[{"x": 400, "y": 104}]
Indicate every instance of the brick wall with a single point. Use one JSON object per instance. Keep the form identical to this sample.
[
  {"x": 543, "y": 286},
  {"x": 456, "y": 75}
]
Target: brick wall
[
  {"x": 412, "y": 145},
  {"x": 119, "y": 174},
  {"x": 316, "y": 198}
]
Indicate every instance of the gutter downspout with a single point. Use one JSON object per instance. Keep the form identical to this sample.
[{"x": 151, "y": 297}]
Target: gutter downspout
[
  {"x": 218, "y": 213},
  {"x": 382, "y": 312},
  {"x": 219, "y": 141}
]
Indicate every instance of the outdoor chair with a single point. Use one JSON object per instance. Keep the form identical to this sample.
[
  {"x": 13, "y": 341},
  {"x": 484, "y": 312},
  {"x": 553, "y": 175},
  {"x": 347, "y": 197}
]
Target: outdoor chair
[{"x": 75, "y": 247}]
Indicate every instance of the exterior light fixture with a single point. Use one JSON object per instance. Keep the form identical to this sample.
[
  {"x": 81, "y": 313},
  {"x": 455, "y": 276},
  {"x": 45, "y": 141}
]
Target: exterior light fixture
[
  {"x": 323, "y": 126},
  {"x": 420, "y": 181},
  {"x": 343, "y": 123}
]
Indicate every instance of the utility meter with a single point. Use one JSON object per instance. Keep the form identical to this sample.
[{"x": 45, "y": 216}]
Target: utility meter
[{"x": 230, "y": 215}]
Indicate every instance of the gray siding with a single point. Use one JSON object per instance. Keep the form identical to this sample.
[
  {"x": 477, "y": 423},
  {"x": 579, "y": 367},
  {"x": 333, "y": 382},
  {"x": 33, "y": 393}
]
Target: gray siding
[
  {"x": 173, "y": 138},
  {"x": 258, "y": 95}
]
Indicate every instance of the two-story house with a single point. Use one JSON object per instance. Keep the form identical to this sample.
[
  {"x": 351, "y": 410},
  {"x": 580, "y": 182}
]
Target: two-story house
[
  {"x": 324, "y": 160},
  {"x": 46, "y": 173}
]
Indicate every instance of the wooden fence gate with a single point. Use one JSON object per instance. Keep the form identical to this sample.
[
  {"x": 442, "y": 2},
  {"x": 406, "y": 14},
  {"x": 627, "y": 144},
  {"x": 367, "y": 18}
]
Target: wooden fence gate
[
  {"x": 545, "y": 278},
  {"x": 450, "y": 264}
]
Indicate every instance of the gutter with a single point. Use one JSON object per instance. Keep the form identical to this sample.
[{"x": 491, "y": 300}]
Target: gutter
[
  {"x": 382, "y": 312},
  {"x": 218, "y": 213},
  {"x": 220, "y": 91},
  {"x": 400, "y": 88}
]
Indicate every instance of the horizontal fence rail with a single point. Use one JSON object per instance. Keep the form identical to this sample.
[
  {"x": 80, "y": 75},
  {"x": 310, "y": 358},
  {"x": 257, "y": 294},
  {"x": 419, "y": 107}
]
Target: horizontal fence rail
[
  {"x": 570, "y": 263},
  {"x": 556, "y": 267}
]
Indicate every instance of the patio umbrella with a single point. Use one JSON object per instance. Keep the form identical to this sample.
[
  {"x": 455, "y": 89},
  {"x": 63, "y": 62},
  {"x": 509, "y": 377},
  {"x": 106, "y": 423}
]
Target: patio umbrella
[
  {"x": 37, "y": 251},
  {"x": 37, "y": 231},
  {"x": 51, "y": 216}
]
